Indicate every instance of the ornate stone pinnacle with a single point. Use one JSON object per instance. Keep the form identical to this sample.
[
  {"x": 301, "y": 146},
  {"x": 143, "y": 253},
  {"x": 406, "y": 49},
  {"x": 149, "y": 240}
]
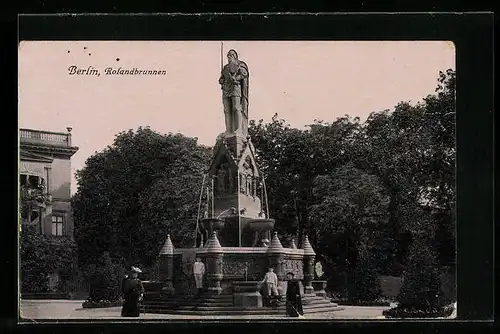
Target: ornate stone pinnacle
[
  {"x": 293, "y": 245},
  {"x": 306, "y": 246},
  {"x": 275, "y": 245},
  {"x": 213, "y": 244},
  {"x": 168, "y": 247}
]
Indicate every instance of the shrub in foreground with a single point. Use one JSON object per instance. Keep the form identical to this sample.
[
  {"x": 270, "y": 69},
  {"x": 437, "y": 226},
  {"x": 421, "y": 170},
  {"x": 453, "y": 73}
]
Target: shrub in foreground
[
  {"x": 105, "y": 279},
  {"x": 420, "y": 295}
]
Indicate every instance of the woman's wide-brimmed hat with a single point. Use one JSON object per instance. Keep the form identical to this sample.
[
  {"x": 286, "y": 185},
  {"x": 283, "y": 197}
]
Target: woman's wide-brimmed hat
[{"x": 135, "y": 270}]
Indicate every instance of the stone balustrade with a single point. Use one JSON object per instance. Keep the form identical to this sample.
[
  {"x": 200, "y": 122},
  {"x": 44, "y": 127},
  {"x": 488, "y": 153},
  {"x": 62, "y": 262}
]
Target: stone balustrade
[{"x": 30, "y": 136}]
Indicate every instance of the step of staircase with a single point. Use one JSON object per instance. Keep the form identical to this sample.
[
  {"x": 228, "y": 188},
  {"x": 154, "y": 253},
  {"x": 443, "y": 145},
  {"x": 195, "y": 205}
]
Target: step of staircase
[
  {"x": 241, "y": 311},
  {"x": 209, "y": 299},
  {"x": 207, "y": 304},
  {"x": 224, "y": 306},
  {"x": 315, "y": 307}
]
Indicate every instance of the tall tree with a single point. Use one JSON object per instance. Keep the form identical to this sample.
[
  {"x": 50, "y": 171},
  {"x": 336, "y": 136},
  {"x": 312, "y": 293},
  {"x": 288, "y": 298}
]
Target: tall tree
[
  {"x": 110, "y": 206},
  {"x": 291, "y": 159},
  {"x": 353, "y": 204}
]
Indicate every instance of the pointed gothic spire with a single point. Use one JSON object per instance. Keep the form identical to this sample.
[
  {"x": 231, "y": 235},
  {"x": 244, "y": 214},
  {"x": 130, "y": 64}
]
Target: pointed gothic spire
[
  {"x": 306, "y": 246},
  {"x": 213, "y": 245},
  {"x": 168, "y": 247},
  {"x": 275, "y": 245},
  {"x": 293, "y": 245}
]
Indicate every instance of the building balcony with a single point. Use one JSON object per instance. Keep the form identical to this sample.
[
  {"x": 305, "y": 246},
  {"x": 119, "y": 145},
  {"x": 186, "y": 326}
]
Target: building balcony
[
  {"x": 41, "y": 142},
  {"x": 38, "y": 137}
]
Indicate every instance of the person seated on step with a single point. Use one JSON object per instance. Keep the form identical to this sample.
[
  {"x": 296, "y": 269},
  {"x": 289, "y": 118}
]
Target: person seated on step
[{"x": 270, "y": 282}]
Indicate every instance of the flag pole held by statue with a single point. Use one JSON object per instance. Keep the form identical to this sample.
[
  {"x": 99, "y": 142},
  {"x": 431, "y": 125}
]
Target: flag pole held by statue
[{"x": 221, "y": 55}]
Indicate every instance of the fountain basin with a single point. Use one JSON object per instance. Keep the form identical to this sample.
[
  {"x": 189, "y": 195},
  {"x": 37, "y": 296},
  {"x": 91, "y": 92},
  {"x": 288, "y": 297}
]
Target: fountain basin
[
  {"x": 246, "y": 286},
  {"x": 152, "y": 286},
  {"x": 246, "y": 294},
  {"x": 319, "y": 288},
  {"x": 261, "y": 224},
  {"x": 212, "y": 224}
]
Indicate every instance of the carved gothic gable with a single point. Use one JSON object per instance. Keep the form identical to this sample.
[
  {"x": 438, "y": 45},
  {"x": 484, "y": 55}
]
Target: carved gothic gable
[
  {"x": 222, "y": 155},
  {"x": 248, "y": 166},
  {"x": 247, "y": 162}
]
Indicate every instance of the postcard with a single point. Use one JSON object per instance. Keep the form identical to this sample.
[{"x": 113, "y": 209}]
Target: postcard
[{"x": 255, "y": 180}]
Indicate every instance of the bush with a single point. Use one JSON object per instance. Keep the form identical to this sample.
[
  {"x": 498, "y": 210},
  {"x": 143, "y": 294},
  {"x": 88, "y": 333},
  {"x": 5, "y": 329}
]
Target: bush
[
  {"x": 398, "y": 312},
  {"x": 42, "y": 255},
  {"x": 420, "y": 294},
  {"x": 105, "y": 278},
  {"x": 101, "y": 303},
  {"x": 366, "y": 284}
]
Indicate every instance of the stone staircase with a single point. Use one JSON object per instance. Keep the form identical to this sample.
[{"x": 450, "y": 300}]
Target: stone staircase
[{"x": 223, "y": 305}]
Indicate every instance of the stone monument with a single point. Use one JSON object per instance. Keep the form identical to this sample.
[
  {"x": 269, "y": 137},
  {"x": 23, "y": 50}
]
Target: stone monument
[
  {"x": 237, "y": 184},
  {"x": 239, "y": 247},
  {"x": 234, "y": 84}
]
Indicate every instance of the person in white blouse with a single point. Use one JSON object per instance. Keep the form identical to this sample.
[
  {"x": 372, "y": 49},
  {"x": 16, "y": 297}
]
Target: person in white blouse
[
  {"x": 271, "y": 281},
  {"x": 198, "y": 271}
]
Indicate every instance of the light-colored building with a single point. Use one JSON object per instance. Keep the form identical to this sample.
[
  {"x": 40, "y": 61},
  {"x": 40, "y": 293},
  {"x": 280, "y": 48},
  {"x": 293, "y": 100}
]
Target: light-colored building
[{"x": 45, "y": 159}]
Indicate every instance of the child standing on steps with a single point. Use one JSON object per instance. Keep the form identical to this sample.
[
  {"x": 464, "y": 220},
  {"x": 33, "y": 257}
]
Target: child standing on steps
[{"x": 198, "y": 272}]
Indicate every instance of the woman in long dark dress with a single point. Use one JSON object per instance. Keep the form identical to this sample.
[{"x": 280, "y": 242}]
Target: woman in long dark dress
[
  {"x": 132, "y": 290},
  {"x": 293, "y": 299}
]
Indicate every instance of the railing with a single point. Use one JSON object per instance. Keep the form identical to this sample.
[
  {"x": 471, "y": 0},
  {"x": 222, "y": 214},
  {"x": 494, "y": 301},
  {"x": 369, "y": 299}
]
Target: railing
[
  {"x": 74, "y": 286},
  {"x": 53, "y": 138}
]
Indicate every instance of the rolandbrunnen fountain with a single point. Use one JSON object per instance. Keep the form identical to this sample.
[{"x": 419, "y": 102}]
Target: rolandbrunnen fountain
[{"x": 234, "y": 239}]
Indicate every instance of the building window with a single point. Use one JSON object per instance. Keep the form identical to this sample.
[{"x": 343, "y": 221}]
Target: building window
[
  {"x": 57, "y": 225},
  {"x": 33, "y": 181},
  {"x": 24, "y": 179}
]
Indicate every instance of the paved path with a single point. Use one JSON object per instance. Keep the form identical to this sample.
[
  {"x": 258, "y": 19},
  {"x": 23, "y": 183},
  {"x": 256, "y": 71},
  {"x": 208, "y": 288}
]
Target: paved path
[{"x": 32, "y": 310}]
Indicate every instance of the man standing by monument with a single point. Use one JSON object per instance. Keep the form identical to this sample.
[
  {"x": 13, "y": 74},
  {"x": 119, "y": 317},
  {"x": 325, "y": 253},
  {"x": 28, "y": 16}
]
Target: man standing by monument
[
  {"x": 234, "y": 85},
  {"x": 198, "y": 271},
  {"x": 271, "y": 281}
]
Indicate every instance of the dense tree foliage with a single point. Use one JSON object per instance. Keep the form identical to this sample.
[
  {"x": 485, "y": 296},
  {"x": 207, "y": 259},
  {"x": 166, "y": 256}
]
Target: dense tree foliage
[
  {"x": 134, "y": 192},
  {"x": 29, "y": 199},
  {"x": 403, "y": 159},
  {"x": 41, "y": 255}
]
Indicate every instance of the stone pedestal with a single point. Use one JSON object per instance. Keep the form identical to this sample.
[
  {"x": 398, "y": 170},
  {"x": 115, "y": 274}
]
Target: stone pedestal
[
  {"x": 276, "y": 256},
  {"x": 166, "y": 268},
  {"x": 237, "y": 195},
  {"x": 214, "y": 255},
  {"x": 319, "y": 288},
  {"x": 246, "y": 294},
  {"x": 309, "y": 256}
]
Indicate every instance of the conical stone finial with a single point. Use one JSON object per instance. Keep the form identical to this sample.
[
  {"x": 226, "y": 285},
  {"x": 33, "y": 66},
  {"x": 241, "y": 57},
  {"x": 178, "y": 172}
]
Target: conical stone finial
[
  {"x": 306, "y": 246},
  {"x": 275, "y": 245},
  {"x": 293, "y": 245},
  {"x": 213, "y": 244},
  {"x": 168, "y": 247}
]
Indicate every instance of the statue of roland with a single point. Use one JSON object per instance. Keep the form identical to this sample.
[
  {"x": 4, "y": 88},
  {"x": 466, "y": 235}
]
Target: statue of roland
[{"x": 234, "y": 85}]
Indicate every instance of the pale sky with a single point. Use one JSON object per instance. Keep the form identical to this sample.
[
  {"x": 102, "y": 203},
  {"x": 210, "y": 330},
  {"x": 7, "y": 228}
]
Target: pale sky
[{"x": 301, "y": 81}]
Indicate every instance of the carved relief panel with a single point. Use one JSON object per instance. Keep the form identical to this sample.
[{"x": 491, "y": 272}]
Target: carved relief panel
[
  {"x": 294, "y": 266},
  {"x": 234, "y": 266},
  {"x": 248, "y": 178},
  {"x": 225, "y": 180}
]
